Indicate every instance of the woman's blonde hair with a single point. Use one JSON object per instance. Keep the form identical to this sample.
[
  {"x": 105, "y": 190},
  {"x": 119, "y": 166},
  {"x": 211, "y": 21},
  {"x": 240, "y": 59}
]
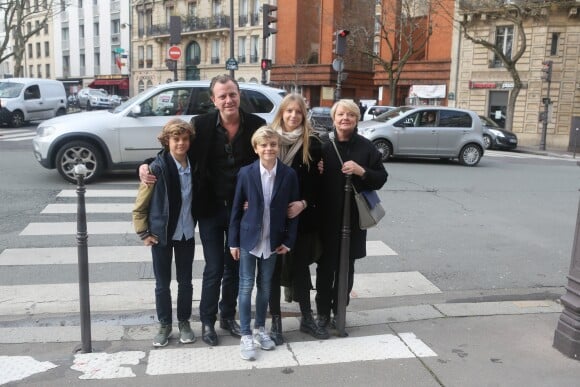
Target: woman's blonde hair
[
  {"x": 278, "y": 122},
  {"x": 263, "y": 134},
  {"x": 175, "y": 127},
  {"x": 349, "y": 105}
]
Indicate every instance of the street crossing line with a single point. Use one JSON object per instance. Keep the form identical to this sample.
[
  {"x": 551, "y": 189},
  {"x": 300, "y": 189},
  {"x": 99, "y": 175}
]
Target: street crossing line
[
  {"x": 70, "y": 228},
  {"x": 118, "y": 254},
  {"x": 100, "y": 193},
  {"x": 119, "y": 296},
  {"x": 90, "y": 208}
]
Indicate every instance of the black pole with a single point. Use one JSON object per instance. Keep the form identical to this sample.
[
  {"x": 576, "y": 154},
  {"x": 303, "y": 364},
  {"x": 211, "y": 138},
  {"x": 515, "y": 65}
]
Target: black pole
[
  {"x": 175, "y": 70},
  {"x": 344, "y": 261},
  {"x": 567, "y": 334},
  {"x": 545, "y": 121},
  {"x": 83, "y": 260},
  {"x": 232, "y": 74}
]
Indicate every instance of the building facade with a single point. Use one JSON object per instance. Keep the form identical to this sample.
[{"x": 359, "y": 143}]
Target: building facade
[{"x": 482, "y": 84}]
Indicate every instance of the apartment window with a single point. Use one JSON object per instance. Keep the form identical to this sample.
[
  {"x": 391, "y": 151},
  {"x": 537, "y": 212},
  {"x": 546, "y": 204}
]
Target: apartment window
[
  {"x": 47, "y": 70},
  {"x": 192, "y": 9},
  {"x": 46, "y": 28},
  {"x": 216, "y": 7},
  {"x": 242, "y": 49},
  {"x": 31, "y": 71},
  {"x": 82, "y": 31},
  {"x": 80, "y": 4},
  {"x": 215, "y": 51},
  {"x": 193, "y": 54},
  {"x": 554, "y": 43},
  {"x": 37, "y": 27},
  {"x": 504, "y": 38},
  {"x": 96, "y": 29},
  {"x": 149, "y": 62},
  {"x": 116, "y": 26},
  {"x": 39, "y": 71},
  {"x": 97, "y": 60},
  {"x": 65, "y": 35},
  {"x": 82, "y": 64},
  {"x": 254, "y": 53},
  {"x": 30, "y": 50},
  {"x": 168, "y": 14},
  {"x": 141, "y": 51},
  {"x": 66, "y": 65},
  {"x": 28, "y": 28},
  {"x": 35, "y": 5},
  {"x": 243, "y": 18},
  {"x": 62, "y": 5},
  {"x": 38, "y": 50},
  {"x": 46, "y": 49}
]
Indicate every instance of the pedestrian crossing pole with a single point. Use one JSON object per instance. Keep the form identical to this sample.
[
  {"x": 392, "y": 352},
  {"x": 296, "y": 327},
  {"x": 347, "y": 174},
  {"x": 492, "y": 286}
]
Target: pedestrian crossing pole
[
  {"x": 80, "y": 171},
  {"x": 343, "y": 265}
]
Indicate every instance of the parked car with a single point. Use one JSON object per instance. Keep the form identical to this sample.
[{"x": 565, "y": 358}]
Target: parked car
[
  {"x": 407, "y": 131},
  {"x": 30, "y": 99},
  {"x": 121, "y": 138},
  {"x": 374, "y": 111},
  {"x": 494, "y": 137},
  {"x": 94, "y": 99},
  {"x": 320, "y": 118}
]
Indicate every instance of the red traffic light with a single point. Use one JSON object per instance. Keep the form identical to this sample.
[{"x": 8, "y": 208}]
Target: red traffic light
[
  {"x": 343, "y": 33},
  {"x": 266, "y": 64}
]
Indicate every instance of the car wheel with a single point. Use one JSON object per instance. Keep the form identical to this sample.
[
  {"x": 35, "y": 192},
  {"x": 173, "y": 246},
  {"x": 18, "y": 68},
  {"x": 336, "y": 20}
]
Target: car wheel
[
  {"x": 385, "y": 148},
  {"x": 470, "y": 155},
  {"x": 71, "y": 153},
  {"x": 17, "y": 119},
  {"x": 487, "y": 141}
]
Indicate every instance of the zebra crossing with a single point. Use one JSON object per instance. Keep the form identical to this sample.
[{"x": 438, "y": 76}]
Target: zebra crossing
[
  {"x": 109, "y": 214},
  {"x": 11, "y": 135}
]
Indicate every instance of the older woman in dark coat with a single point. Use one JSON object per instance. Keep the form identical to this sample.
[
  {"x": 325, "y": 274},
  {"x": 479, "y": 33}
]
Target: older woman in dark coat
[{"x": 363, "y": 161}]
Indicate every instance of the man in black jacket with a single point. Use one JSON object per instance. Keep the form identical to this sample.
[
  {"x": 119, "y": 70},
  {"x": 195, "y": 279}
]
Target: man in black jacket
[{"x": 221, "y": 147}]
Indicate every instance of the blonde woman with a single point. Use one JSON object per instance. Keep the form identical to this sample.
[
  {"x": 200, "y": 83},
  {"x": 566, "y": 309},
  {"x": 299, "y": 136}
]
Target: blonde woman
[{"x": 300, "y": 149}]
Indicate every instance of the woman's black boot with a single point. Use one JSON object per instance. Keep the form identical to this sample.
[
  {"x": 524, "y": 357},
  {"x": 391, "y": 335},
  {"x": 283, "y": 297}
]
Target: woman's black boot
[
  {"x": 276, "y": 330},
  {"x": 309, "y": 325}
]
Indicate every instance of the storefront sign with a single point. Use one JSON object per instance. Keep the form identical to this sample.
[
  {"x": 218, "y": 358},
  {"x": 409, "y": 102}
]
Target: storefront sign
[
  {"x": 507, "y": 85},
  {"x": 482, "y": 85}
]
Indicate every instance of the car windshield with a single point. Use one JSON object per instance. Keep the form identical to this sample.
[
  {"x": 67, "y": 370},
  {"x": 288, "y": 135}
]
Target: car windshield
[
  {"x": 489, "y": 122},
  {"x": 392, "y": 113},
  {"x": 10, "y": 89},
  {"x": 124, "y": 105}
]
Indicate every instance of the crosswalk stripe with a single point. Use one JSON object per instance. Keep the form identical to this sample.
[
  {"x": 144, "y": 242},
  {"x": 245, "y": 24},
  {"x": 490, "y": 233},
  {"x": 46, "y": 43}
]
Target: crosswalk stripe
[
  {"x": 139, "y": 295},
  {"x": 100, "y": 193},
  {"x": 17, "y": 138},
  {"x": 118, "y": 254},
  {"x": 70, "y": 228},
  {"x": 90, "y": 208}
]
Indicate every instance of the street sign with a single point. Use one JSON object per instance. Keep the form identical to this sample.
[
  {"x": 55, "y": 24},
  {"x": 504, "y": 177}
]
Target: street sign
[
  {"x": 338, "y": 64},
  {"x": 174, "y": 53},
  {"x": 231, "y": 64}
]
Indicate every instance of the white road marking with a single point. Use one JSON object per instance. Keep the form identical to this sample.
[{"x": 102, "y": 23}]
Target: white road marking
[
  {"x": 90, "y": 208},
  {"x": 139, "y": 295},
  {"x": 13, "y": 368},
  {"x": 332, "y": 351},
  {"x": 100, "y": 193},
  {"x": 105, "y": 365},
  {"x": 70, "y": 228}
]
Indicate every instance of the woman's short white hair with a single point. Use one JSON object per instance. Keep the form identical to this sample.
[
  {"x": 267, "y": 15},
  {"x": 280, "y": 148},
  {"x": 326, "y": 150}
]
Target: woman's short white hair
[{"x": 349, "y": 105}]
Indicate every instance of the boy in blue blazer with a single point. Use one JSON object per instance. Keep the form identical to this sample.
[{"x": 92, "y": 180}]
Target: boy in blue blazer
[{"x": 259, "y": 231}]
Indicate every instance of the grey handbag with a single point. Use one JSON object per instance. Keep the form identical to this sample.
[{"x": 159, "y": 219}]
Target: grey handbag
[{"x": 368, "y": 204}]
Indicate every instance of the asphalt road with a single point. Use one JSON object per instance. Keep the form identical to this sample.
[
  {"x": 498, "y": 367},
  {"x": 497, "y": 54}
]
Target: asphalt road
[{"x": 503, "y": 227}]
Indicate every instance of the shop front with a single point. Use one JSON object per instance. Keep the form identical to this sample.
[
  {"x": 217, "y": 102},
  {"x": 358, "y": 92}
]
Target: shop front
[{"x": 113, "y": 85}]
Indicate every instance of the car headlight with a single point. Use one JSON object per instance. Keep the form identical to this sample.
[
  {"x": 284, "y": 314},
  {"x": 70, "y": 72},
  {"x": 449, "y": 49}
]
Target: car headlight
[
  {"x": 366, "y": 131},
  {"x": 496, "y": 132},
  {"x": 43, "y": 131}
]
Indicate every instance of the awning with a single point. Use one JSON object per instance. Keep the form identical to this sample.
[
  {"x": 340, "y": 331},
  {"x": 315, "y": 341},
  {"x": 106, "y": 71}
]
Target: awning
[
  {"x": 120, "y": 83},
  {"x": 427, "y": 91}
]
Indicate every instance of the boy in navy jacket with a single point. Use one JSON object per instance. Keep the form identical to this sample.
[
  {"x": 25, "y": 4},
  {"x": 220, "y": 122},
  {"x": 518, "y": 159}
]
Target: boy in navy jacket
[{"x": 260, "y": 231}]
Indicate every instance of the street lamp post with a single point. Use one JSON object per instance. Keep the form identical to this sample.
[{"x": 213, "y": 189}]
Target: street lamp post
[{"x": 129, "y": 72}]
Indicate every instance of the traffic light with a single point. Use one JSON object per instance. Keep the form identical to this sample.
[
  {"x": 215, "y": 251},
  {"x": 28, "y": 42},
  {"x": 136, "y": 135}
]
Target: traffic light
[
  {"x": 547, "y": 70},
  {"x": 340, "y": 42},
  {"x": 266, "y": 64},
  {"x": 268, "y": 19}
]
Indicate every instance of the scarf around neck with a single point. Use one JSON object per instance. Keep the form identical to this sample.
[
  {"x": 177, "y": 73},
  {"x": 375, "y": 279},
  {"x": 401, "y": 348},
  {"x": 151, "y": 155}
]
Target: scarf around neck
[{"x": 290, "y": 143}]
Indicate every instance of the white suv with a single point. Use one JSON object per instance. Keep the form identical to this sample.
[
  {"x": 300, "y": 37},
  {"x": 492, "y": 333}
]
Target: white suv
[{"x": 121, "y": 138}]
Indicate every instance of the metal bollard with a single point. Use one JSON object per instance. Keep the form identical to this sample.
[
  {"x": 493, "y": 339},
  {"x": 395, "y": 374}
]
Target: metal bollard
[
  {"x": 344, "y": 261},
  {"x": 83, "y": 260}
]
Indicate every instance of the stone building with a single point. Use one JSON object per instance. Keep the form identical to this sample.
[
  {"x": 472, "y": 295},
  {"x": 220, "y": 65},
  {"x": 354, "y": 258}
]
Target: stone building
[{"x": 481, "y": 83}]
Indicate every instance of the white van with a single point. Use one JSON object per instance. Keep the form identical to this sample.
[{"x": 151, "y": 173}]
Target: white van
[{"x": 30, "y": 99}]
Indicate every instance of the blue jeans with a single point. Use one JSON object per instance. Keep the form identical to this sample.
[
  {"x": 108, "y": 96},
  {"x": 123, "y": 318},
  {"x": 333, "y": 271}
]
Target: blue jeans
[
  {"x": 220, "y": 269},
  {"x": 162, "y": 259},
  {"x": 247, "y": 275}
]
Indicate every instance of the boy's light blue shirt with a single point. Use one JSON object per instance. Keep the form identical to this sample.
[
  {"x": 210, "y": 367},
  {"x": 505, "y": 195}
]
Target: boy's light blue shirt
[{"x": 185, "y": 226}]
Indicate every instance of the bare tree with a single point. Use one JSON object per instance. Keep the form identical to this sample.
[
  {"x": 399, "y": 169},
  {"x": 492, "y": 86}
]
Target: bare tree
[
  {"x": 517, "y": 12},
  {"x": 403, "y": 28},
  {"x": 17, "y": 16}
]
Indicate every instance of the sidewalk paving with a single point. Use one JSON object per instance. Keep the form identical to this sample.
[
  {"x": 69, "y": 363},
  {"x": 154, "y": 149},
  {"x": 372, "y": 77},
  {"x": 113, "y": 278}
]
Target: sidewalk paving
[
  {"x": 505, "y": 343},
  {"x": 548, "y": 152}
]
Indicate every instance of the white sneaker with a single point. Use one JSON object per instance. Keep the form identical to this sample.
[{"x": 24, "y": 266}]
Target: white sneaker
[
  {"x": 247, "y": 350},
  {"x": 263, "y": 339}
]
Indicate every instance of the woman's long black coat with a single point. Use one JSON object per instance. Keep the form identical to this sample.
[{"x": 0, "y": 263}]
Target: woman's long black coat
[{"x": 364, "y": 153}]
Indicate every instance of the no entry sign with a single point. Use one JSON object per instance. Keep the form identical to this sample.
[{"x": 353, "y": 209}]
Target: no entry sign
[{"x": 174, "y": 52}]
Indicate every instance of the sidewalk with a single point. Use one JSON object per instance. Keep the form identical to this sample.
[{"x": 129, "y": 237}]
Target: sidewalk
[
  {"x": 504, "y": 343},
  {"x": 552, "y": 153}
]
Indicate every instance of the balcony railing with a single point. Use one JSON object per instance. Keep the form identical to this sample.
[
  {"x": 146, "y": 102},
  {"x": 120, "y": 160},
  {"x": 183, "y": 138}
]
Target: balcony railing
[
  {"x": 191, "y": 24},
  {"x": 241, "y": 59},
  {"x": 253, "y": 58},
  {"x": 254, "y": 19},
  {"x": 242, "y": 20},
  {"x": 215, "y": 59}
]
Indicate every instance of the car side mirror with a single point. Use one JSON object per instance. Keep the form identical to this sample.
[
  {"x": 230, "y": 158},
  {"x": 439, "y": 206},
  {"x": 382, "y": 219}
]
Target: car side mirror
[{"x": 135, "y": 111}]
